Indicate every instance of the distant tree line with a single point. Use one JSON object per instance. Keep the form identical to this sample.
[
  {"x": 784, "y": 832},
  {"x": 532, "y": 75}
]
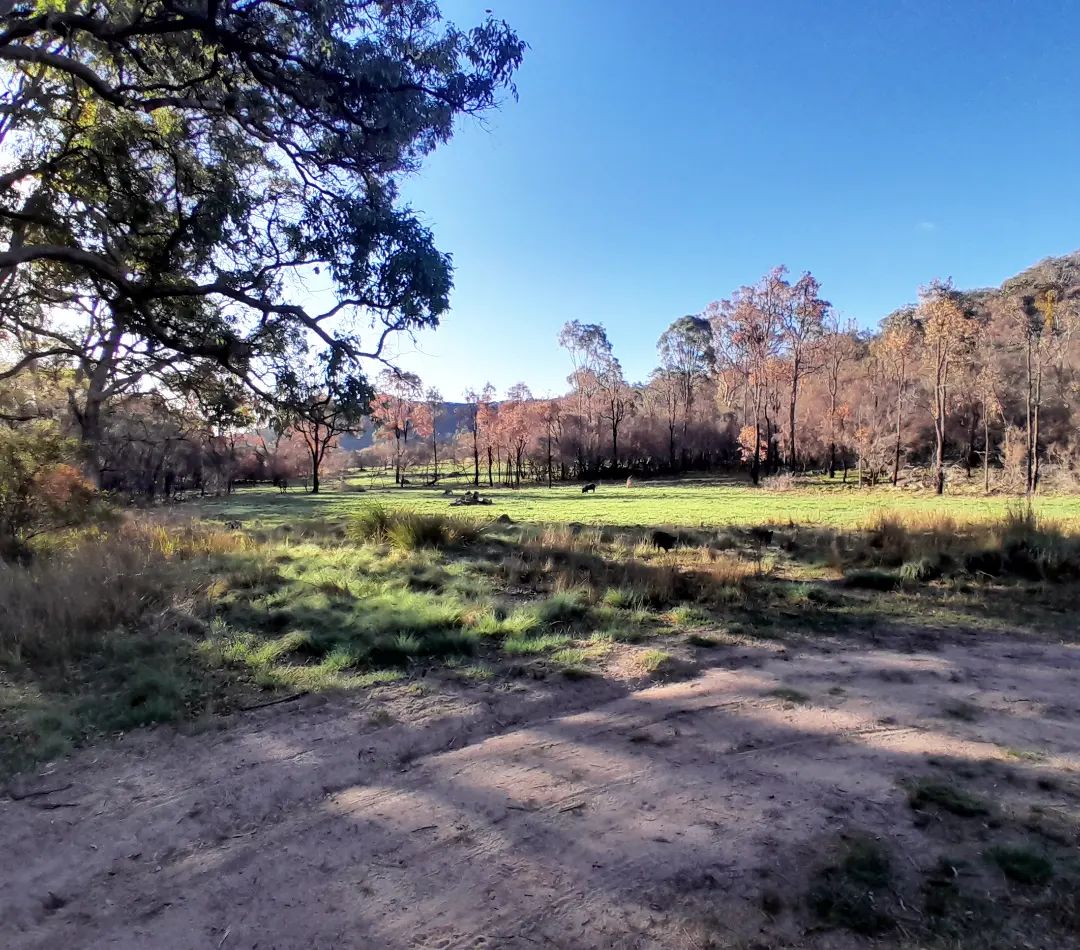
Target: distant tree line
[{"x": 771, "y": 380}]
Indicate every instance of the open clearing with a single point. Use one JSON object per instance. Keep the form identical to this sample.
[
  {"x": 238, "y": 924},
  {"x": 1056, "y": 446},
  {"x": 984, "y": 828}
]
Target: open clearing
[
  {"x": 375, "y": 727},
  {"x": 684, "y": 502},
  {"x": 696, "y": 813}
]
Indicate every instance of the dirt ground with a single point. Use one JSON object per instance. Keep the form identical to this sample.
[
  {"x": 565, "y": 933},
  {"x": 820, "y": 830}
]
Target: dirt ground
[{"x": 522, "y": 813}]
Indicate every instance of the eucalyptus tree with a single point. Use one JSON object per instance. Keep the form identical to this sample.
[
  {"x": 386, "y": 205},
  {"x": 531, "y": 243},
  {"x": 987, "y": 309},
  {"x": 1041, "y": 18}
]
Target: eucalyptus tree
[
  {"x": 686, "y": 355},
  {"x": 222, "y": 175}
]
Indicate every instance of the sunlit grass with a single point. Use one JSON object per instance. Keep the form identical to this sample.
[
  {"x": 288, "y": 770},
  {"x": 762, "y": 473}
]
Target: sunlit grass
[{"x": 689, "y": 503}]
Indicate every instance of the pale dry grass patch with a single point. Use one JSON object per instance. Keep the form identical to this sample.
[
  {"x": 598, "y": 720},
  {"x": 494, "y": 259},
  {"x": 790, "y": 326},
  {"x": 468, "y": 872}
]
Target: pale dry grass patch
[{"x": 56, "y": 607}]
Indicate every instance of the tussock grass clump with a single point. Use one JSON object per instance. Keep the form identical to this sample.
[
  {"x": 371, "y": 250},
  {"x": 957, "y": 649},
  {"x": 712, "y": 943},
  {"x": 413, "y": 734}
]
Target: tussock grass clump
[
  {"x": 1022, "y": 864},
  {"x": 788, "y": 695},
  {"x": 542, "y": 643},
  {"x": 650, "y": 662},
  {"x": 409, "y": 530},
  {"x": 849, "y": 891},
  {"x": 928, "y": 793}
]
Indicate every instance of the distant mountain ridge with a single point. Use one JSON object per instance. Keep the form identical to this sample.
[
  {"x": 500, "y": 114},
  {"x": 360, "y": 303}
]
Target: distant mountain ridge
[{"x": 452, "y": 418}]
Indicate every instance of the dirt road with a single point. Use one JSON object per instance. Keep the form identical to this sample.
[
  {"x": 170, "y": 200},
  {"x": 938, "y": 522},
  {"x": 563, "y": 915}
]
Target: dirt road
[{"x": 561, "y": 814}]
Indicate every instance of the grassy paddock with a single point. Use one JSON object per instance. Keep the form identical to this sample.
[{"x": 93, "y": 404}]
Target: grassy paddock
[
  {"x": 173, "y": 615},
  {"x": 690, "y": 503}
]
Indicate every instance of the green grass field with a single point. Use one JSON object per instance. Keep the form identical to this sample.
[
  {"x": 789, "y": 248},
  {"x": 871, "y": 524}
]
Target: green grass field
[
  {"x": 690, "y": 503},
  {"x": 176, "y": 614}
]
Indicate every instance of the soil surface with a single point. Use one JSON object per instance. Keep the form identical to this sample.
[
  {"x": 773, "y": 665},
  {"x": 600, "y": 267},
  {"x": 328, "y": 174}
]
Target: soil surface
[{"x": 522, "y": 813}]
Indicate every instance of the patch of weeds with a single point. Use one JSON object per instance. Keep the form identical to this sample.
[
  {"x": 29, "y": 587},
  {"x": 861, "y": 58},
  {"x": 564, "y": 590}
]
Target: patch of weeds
[
  {"x": 958, "y": 709},
  {"x": 686, "y": 615},
  {"x": 1022, "y": 864},
  {"x": 565, "y": 608},
  {"x": 848, "y": 892},
  {"x": 628, "y": 633},
  {"x": 544, "y": 643},
  {"x": 380, "y": 718},
  {"x": 925, "y": 793},
  {"x": 650, "y": 662},
  {"x": 572, "y": 656},
  {"x": 623, "y": 598},
  {"x": 728, "y": 594},
  {"x": 1024, "y": 755},
  {"x": 789, "y": 695},
  {"x": 920, "y": 571}
]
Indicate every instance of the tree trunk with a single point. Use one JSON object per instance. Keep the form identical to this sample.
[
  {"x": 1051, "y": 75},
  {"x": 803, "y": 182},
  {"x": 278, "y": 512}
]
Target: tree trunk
[
  {"x": 314, "y": 472},
  {"x": 1036, "y": 427},
  {"x": 755, "y": 466},
  {"x": 896, "y": 454},
  {"x": 1029, "y": 483},
  {"x": 986, "y": 451},
  {"x": 792, "y": 458},
  {"x": 476, "y": 460},
  {"x": 939, "y": 456}
]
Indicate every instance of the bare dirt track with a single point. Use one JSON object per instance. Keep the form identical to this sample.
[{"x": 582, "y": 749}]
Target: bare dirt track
[{"x": 532, "y": 814}]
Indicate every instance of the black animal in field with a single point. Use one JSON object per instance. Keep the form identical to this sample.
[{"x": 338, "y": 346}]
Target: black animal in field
[
  {"x": 664, "y": 540},
  {"x": 591, "y": 487}
]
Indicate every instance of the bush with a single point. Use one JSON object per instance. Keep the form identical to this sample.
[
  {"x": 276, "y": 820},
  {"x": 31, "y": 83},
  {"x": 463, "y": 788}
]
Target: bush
[{"x": 40, "y": 489}]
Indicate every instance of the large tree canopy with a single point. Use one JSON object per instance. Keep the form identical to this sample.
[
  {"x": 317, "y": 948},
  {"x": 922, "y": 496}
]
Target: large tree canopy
[{"x": 201, "y": 166}]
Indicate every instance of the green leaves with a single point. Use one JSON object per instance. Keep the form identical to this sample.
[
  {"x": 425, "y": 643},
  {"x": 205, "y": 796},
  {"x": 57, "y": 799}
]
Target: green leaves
[{"x": 190, "y": 164}]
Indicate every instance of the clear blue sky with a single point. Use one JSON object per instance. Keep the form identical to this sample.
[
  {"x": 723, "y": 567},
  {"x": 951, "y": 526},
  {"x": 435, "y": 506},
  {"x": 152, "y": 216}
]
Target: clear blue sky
[{"x": 662, "y": 154}]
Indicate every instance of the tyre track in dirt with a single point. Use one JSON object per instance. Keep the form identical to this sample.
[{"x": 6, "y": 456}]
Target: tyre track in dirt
[{"x": 630, "y": 824}]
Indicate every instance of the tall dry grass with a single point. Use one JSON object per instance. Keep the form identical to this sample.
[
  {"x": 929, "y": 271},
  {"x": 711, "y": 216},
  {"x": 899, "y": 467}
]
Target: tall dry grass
[
  {"x": 59, "y": 606},
  {"x": 627, "y": 566},
  {"x": 1018, "y": 543}
]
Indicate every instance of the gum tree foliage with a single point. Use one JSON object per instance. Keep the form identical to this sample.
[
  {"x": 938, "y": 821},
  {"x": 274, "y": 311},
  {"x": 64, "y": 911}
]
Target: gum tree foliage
[
  {"x": 686, "y": 354},
  {"x": 320, "y": 403},
  {"x": 197, "y": 168}
]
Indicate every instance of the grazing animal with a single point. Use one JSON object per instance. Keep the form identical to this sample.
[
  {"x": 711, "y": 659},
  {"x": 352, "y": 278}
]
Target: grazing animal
[
  {"x": 405, "y": 482},
  {"x": 629, "y": 481},
  {"x": 761, "y": 535},
  {"x": 281, "y": 483},
  {"x": 591, "y": 487},
  {"x": 664, "y": 540},
  {"x": 233, "y": 525}
]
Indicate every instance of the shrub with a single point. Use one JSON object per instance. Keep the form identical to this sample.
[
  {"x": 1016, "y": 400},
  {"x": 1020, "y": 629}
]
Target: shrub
[{"x": 40, "y": 490}]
